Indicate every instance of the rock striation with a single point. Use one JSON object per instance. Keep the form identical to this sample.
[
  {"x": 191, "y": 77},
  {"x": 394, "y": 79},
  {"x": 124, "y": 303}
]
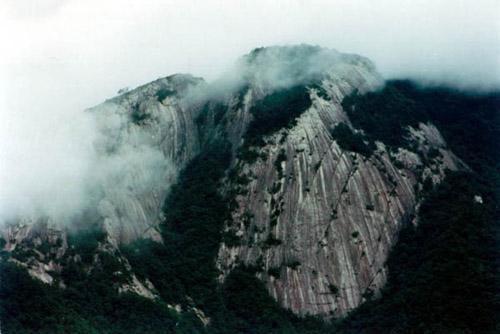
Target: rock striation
[{"x": 316, "y": 220}]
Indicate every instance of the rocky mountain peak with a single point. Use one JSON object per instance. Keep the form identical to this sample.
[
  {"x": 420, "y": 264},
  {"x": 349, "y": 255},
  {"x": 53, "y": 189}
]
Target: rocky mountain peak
[{"x": 311, "y": 199}]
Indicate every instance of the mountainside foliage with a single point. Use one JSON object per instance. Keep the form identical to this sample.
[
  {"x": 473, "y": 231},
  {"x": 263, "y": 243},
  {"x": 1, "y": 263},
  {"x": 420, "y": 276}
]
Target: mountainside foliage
[
  {"x": 443, "y": 274},
  {"x": 274, "y": 112},
  {"x": 350, "y": 141}
]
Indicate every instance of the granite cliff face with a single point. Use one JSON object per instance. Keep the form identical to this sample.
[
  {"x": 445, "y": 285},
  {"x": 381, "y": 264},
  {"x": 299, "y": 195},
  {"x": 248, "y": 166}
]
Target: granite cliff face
[
  {"x": 319, "y": 220},
  {"x": 144, "y": 137},
  {"x": 316, "y": 219}
]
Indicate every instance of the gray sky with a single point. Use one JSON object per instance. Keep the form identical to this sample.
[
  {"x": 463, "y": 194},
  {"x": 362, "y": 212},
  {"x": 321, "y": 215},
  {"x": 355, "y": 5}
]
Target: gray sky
[
  {"x": 99, "y": 46},
  {"x": 60, "y": 56}
]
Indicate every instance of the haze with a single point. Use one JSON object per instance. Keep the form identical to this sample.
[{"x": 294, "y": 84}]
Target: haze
[{"x": 62, "y": 56}]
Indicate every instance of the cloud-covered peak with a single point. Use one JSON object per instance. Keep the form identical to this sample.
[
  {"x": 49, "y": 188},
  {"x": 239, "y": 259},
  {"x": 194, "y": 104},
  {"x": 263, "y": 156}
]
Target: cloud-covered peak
[{"x": 284, "y": 66}]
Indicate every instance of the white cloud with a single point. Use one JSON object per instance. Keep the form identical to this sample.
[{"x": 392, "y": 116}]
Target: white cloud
[{"x": 60, "y": 56}]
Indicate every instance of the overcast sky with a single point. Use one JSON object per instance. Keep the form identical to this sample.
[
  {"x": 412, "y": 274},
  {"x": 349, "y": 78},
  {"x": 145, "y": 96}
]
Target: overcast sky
[
  {"x": 60, "y": 56},
  {"x": 98, "y": 46}
]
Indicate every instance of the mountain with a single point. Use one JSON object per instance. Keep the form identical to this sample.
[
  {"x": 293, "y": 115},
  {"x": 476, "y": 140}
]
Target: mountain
[{"x": 278, "y": 198}]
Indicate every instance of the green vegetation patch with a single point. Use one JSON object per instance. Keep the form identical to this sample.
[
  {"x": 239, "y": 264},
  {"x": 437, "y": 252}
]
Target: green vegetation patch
[
  {"x": 137, "y": 115},
  {"x": 85, "y": 242},
  {"x": 163, "y": 93},
  {"x": 350, "y": 141},
  {"x": 384, "y": 115},
  {"x": 274, "y": 112}
]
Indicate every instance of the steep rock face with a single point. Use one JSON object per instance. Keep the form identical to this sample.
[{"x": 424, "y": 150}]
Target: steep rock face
[
  {"x": 144, "y": 137},
  {"x": 318, "y": 221}
]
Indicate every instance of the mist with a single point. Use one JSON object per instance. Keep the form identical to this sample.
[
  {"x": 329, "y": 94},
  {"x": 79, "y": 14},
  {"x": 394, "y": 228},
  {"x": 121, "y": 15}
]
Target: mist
[{"x": 63, "y": 56}]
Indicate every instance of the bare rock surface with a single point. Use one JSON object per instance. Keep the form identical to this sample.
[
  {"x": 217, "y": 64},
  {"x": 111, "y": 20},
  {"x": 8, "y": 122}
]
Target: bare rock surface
[
  {"x": 144, "y": 137},
  {"x": 320, "y": 230}
]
